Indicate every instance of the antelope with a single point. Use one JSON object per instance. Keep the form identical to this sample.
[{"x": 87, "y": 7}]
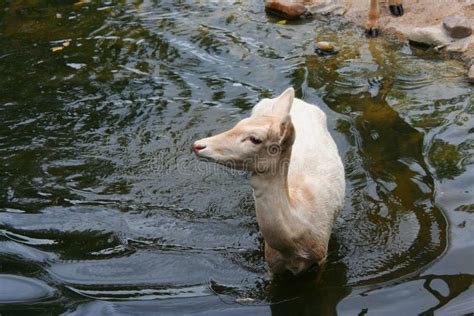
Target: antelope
[
  {"x": 296, "y": 174},
  {"x": 372, "y": 27}
]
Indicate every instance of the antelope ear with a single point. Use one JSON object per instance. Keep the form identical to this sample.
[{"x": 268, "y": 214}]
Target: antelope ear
[
  {"x": 282, "y": 104},
  {"x": 287, "y": 132}
]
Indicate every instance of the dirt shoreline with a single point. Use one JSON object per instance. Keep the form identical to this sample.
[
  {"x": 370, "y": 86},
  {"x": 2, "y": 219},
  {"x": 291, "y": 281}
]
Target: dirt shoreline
[
  {"x": 418, "y": 13},
  {"x": 421, "y": 16}
]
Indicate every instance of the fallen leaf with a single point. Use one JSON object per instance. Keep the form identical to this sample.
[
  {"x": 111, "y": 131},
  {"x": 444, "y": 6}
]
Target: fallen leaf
[
  {"x": 281, "y": 22},
  {"x": 55, "y": 201},
  {"x": 81, "y": 2},
  {"x": 57, "y": 49},
  {"x": 66, "y": 44}
]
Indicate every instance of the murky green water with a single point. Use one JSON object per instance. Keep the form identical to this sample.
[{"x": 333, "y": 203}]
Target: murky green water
[{"x": 103, "y": 208}]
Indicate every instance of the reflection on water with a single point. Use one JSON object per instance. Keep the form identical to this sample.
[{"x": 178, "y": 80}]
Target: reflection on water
[{"x": 103, "y": 208}]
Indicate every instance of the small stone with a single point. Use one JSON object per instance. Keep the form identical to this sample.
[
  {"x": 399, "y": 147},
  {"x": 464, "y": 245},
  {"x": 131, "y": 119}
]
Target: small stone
[
  {"x": 340, "y": 10},
  {"x": 285, "y": 8},
  {"x": 325, "y": 48},
  {"x": 325, "y": 7},
  {"x": 430, "y": 35},
  {"x": 458, "y": 26},
  {"x": 471, "y": 74},
  {"x": 461, "y": 45}
]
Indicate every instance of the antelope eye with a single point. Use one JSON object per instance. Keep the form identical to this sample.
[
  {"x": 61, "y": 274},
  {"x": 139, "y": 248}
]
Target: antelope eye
[{"x": 255, "y": 141}]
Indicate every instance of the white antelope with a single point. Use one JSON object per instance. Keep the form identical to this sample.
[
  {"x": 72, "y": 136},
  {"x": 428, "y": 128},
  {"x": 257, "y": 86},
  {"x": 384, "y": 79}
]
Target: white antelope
[{"x": 296, "y": 174}]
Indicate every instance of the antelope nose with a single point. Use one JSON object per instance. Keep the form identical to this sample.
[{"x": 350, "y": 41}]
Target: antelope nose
[{"x": 197, "y": 147}]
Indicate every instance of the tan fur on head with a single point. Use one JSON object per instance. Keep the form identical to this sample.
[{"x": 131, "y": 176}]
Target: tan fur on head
[
  {"x": 255, "y": 143},
  {"x": 287, "y": 132}
]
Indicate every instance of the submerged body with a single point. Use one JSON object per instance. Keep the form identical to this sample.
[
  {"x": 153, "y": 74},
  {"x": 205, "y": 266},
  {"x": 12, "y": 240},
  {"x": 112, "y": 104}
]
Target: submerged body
[
  {"x": 315, "y": 185},
  {"x": 297, "y": 177}
]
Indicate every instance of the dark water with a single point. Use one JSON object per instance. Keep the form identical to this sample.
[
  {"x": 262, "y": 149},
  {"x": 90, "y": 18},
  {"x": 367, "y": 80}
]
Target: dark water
[{"x": 103, "y": 208}]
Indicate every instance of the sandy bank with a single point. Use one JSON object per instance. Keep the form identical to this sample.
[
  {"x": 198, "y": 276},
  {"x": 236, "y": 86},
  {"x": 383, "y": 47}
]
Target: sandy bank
[
  {"x": 422, "y": 21},
  {"x": 418, "y": 13}
]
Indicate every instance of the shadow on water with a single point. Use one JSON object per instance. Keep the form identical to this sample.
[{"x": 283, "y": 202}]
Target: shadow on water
[
  {"x": 103, "y": 209},
  {"x": 391, "y": 190},
  {"x": 315, "y": 293}
]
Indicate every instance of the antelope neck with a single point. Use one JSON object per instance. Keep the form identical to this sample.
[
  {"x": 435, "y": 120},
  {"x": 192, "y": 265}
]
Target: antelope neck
[{"x": 273, "y": 205}]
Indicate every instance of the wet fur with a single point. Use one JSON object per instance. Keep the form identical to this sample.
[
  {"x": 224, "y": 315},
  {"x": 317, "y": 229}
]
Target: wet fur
[{"x": 296, "y": 203}]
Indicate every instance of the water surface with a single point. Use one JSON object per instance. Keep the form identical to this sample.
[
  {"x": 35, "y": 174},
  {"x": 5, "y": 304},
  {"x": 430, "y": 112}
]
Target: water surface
[{"x": 103, "y": 208}]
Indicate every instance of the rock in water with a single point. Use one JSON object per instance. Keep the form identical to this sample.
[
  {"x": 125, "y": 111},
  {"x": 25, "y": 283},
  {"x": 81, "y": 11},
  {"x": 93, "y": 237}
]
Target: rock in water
[
  {"x": 325, "y": 48},
  {"x": 458, "y": 26},
  {"x": 461, "y": 45},
  {"x": 471, "y": 74},
  {"x": 325, "y": 7},
  {"x": 430, "y": 35},
  {"x": 285, "y": 8}
]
